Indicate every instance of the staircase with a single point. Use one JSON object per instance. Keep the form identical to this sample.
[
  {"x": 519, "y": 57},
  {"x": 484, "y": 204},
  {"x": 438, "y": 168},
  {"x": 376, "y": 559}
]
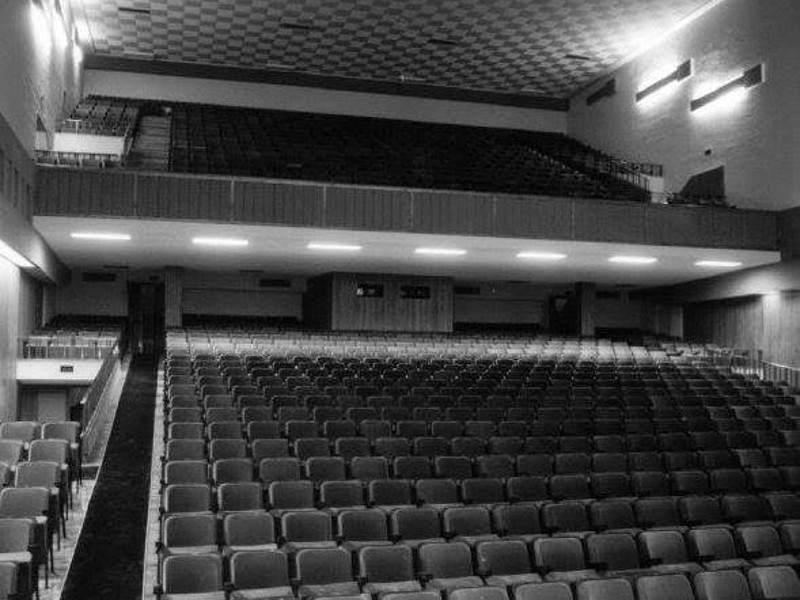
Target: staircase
[{"x": 150, "y": 149}]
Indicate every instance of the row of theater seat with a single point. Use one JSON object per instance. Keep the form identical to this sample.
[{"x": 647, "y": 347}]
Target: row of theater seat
[
  {"x": 606, "y": 470},
  {"x": 464, "y": 567}
]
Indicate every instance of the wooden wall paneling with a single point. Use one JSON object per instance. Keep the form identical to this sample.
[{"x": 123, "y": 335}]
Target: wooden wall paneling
[
  {"x": 9, "y": 332},
  {"x": 67, "y": 192},
  {"x": 278, "y": 203},
  {"x": 368, "y": 208},
  {"x": 533, "y": 217},
  {"x": 679, "y": 225},
  {"x": 608, "y": 222},
  {"x": 453, "y": 212},
  {"x": 166, "y": 197}
]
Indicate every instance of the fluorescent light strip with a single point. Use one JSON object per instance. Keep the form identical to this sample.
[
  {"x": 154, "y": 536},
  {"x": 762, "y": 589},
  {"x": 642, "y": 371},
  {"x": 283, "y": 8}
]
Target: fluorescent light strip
[
  {"x": 724, "y": 264},
  {"x": 542, "y": 255},
  {"x": 633, "y": 260},
  {"x": 226, "y": 242},
  {"x": 14, "y": 257},
  {"x": 440, "y": 251},
  {"x": 334, "y": 247},
  {"x": 107, "y": 237},
  {"x": 749, "y": 78},
  {"x": 682, "y": 71}
]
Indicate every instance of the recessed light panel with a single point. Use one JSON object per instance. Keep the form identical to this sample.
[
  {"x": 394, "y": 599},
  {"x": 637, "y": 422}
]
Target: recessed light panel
[
  {"x": 633, "y": 260},
  {"x": 102, "y": 236},
  {"x": 328, "y": 247},
  {"x": 440, "y": 251},
  {"x": 722, "y": 264},
  {"x": 220, "y": 242},
  {"x": 542, "y": 255}
]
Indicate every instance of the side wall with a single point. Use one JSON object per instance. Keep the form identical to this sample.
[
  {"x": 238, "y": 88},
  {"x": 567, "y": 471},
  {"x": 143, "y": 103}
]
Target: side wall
[
  {"x": 755, "y": 140},
  {"x": 770, "y": 322},
  {"x": 305, "y": 99}
]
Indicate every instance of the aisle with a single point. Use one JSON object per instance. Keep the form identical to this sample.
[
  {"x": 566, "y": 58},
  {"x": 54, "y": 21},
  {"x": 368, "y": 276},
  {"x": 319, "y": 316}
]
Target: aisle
[{"x": 108, "y": 557}]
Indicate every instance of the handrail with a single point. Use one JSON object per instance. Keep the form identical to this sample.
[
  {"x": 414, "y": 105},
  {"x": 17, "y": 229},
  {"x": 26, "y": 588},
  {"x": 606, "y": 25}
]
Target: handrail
[
  {"x": 751, "y": 363},
  {"x": 92, "y": 397}
]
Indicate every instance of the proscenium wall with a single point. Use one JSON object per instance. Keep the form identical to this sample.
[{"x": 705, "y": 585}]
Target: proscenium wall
[
  {"x": 756, "y": 140},
  {"x": 770, "y": 322},
  {"x": 313, "y": 100}
]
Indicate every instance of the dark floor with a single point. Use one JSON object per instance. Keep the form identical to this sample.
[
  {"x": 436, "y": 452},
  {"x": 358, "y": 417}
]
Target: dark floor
[{"x": 108, "y": 557}]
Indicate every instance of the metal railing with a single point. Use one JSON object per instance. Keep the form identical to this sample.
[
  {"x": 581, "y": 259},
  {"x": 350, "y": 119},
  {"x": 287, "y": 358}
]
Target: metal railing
[
  {"x": 67, "y": 346},
  {"x": 77, "y": 159},
  {"x": 93, "y": 397},
  {"x": 751, "y": 363}
]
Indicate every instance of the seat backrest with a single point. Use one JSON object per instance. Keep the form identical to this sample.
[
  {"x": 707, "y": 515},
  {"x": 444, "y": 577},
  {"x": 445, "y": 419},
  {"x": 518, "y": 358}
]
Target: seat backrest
[
  {"x": 11, "y": 451},
  {"x": 612, "y": 514},
  {"x": 565, "y": 516},
  {"x": 56, "y": 451},
  {"x": 664, "y": 587},
  {"x": 467, "y": 520},
  {"x": 774, "y": 582},
  {"x": 192, "y": 573},
  {"x": 62, "y": 430},
  {"x": 306, "y": 526},
  {"x": 320, "y": 566},
  {"x": 363, "y": 525},
  {"x": 23, "y": 431},
  {"x": 483, "y": 490},
  {"x": 761, "y": 539},
  {"x": 416, "y": 523},
  {"x": 265, "y": 569},
  {"x": 716, "y": 543},
  {"x": 14, "y": 535},
  {"x": 248, "y": 529},
  {"x": 190, "y": 530},
  {"x": 279, "y": 469},
  {"x": 20, "y": 503},
  {"x": 604, "y": 589},
  {"x": 285, "y": 495},
  {"x": 338, "y": 494},
  {"x": 37, "y": 474},
  {"x": 325, "y": 468},
  {"x": 543, "y": 591},
  {"x": 436, "y": 491},
  {"x": 527, "y": 488},
  {"x": 516, "y": 519},
  {"x": 382, "y": 564},
  {"x": 504, "y": 557},
  {"x": 243, "y": 495},
  {"x": 445, "y": 559},
  {"x": 559, "y": 554},
  {"x": 667, "y": 547},
  {"x": 229, "y": 470},
  {"x": 614, "y": 551},
  {"x": 721, "y": 585},
  {"x": 226, "y": 448}
]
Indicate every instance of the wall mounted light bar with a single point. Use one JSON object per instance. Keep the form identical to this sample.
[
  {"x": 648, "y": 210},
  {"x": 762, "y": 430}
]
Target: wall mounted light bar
[
  {"x": 14, "y": 257},
  {"x": 220, "y": 242},
  {"x": 103, "y": 237},
  {"x": 324, "y": 246},
  {"x": 749, "y": 78},
  {"x": 681, "y": 72}
]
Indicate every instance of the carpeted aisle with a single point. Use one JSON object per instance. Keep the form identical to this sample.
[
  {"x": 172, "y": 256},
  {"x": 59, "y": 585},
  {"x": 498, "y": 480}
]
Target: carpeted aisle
[{"x": 108, "y": 557}]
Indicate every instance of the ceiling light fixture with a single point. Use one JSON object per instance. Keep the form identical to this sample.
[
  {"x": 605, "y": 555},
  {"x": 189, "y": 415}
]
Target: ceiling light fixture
[
  {"x": 542, "y": 255},
  {"x": 333, "y": 247},
  {"x": 105, "y": 237},
  {"x": 751, "y": 77},
  {"x": 679, "y": 73},
  {"x": 633, "y": 260},
  {"x": 14, "y": 257},
  {"x": 220, "y": 242},
  {"x": 440, "y": 251},
  {"x": 724, "y": 264}
]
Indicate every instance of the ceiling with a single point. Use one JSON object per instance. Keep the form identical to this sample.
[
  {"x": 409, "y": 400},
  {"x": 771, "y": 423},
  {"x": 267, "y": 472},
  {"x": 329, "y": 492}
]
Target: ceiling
[
  {"x": 283, "y": 251},
  {"x": 548, "y": 47}
]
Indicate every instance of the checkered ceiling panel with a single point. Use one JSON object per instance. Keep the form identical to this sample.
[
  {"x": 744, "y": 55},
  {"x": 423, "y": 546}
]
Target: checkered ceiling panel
[{"x": 498, "y": 45}]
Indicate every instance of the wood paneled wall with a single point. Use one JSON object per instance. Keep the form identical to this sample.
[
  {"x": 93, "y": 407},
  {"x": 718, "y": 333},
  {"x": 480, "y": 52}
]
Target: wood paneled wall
[
  {"x": 9, "y": 331},
  {"x": 134, "y": 194},
  {"x": 332, "y": 302},
  {"x": 770, "y": 323}
]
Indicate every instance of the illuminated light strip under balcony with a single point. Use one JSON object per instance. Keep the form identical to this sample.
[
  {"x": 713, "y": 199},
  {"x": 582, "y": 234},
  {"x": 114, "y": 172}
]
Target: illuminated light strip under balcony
[
  {"x": 749, "y": 78},
  {"x": 633, "y": 260},
  {"x": 220, "y": 242},
  {"x": 542, "y": 255},
  {"x": 681, "y": 72},
  {"x": 105, "y": 237},
  {"x": 333, "y": 247},
  {"x": 440, "y": 251},
  {"x": 723, "y": 264},
  {"x": 14, "y": 257}
]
